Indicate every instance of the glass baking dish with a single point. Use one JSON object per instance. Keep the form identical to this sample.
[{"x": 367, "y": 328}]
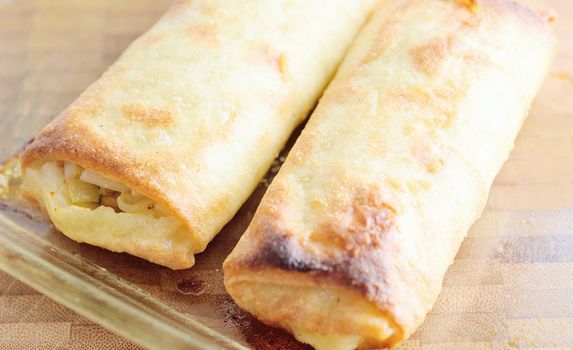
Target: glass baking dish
[{"x": 510, "y": 286}]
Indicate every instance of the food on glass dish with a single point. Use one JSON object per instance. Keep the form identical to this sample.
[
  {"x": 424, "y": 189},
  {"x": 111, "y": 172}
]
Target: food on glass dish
[
  {"x": 350, "y": 244},
  {"x": 160, "y": 152}
]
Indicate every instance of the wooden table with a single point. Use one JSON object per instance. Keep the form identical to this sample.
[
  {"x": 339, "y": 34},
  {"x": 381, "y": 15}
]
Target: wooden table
[
  {"x": 29, "y": 320},
  {"x": 511, "y": 285}
]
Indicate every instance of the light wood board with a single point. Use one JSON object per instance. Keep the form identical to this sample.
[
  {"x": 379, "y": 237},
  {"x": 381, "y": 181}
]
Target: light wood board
[{"x": 511, "y": 285}]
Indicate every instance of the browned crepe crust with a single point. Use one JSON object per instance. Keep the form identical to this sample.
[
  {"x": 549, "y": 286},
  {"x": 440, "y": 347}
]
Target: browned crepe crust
[
  {"x": 195, "y": 110},
  {"x": 394, "y": 165}
]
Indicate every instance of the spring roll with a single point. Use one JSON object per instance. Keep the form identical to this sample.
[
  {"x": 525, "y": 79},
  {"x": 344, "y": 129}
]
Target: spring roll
[
  {"x": 160, "y": 152},
  {"x": 350, "y": 244}
]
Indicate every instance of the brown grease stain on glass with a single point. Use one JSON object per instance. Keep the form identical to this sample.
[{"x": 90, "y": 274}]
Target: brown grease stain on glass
[
  {"x": 257, "y": 334},
  {"x": 191, "y": 286}
]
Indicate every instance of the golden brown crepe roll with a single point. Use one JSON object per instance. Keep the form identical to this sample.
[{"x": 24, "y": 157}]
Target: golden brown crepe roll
[
  {"x": 160, "y": 152},
  {"x": 350, "y": 244}
]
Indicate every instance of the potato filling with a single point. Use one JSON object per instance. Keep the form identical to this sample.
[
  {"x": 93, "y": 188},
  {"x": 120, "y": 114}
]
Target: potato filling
[
  {"x": 90, "y": 208},
  {"x": 87, "y": 189}
]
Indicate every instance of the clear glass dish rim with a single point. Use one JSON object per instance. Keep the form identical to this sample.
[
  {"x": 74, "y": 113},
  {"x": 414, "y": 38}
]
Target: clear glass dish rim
[{"x": 91, "y": 291}]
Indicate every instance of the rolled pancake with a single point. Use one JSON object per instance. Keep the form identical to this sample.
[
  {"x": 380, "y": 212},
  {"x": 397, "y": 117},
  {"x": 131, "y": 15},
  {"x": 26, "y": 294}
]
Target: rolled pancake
[
  {"x": 186, "y": 122},
  {"x": 350, "y": 244}
]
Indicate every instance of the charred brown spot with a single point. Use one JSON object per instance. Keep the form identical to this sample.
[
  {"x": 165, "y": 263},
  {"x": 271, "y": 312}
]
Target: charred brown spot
[
  {"x": 151, "y": 39},
  {"x": 363, "y": 270},
  {"x": 209, "y": 10},
  {"x": 76, "y": 143},
  {"x": 373, "y": 214},
  {"x": 435, "y": 107},
  {"x": 430, "y": 158},
  {"x": 471, "y": 5},
  {"x": 279, "y": 250},
  {"x": 149, "y": 116},
  {"x": 434, "y": 165},
  {"x": 266, "y": 55},
  {"x": 384, "y": 39},
  {"x": 431, "y": 57},
  {"x": 548, "y": 15},
  {"x": 203, "y": 32},
  {"x": 362, "y": 225}
]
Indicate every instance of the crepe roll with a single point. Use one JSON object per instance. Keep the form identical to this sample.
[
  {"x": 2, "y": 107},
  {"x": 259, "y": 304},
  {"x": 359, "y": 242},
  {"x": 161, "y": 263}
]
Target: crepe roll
[
  {"x": 161, "y": 151},
  {"x": 351, "y": 241}
]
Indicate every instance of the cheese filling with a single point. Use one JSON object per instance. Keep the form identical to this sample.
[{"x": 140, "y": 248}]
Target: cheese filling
[
  {"x": 326, "y": 318},
  {"x": 90, "y": 208}
]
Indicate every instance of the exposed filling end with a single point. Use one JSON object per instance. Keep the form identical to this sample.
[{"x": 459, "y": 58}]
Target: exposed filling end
[
  {"x": 326, "y": 318},
  {"x": 91, "y": 208}
]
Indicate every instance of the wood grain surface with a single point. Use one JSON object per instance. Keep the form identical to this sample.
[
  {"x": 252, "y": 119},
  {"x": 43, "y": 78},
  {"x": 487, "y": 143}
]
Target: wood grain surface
[{"x": 511, "y": 285}]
